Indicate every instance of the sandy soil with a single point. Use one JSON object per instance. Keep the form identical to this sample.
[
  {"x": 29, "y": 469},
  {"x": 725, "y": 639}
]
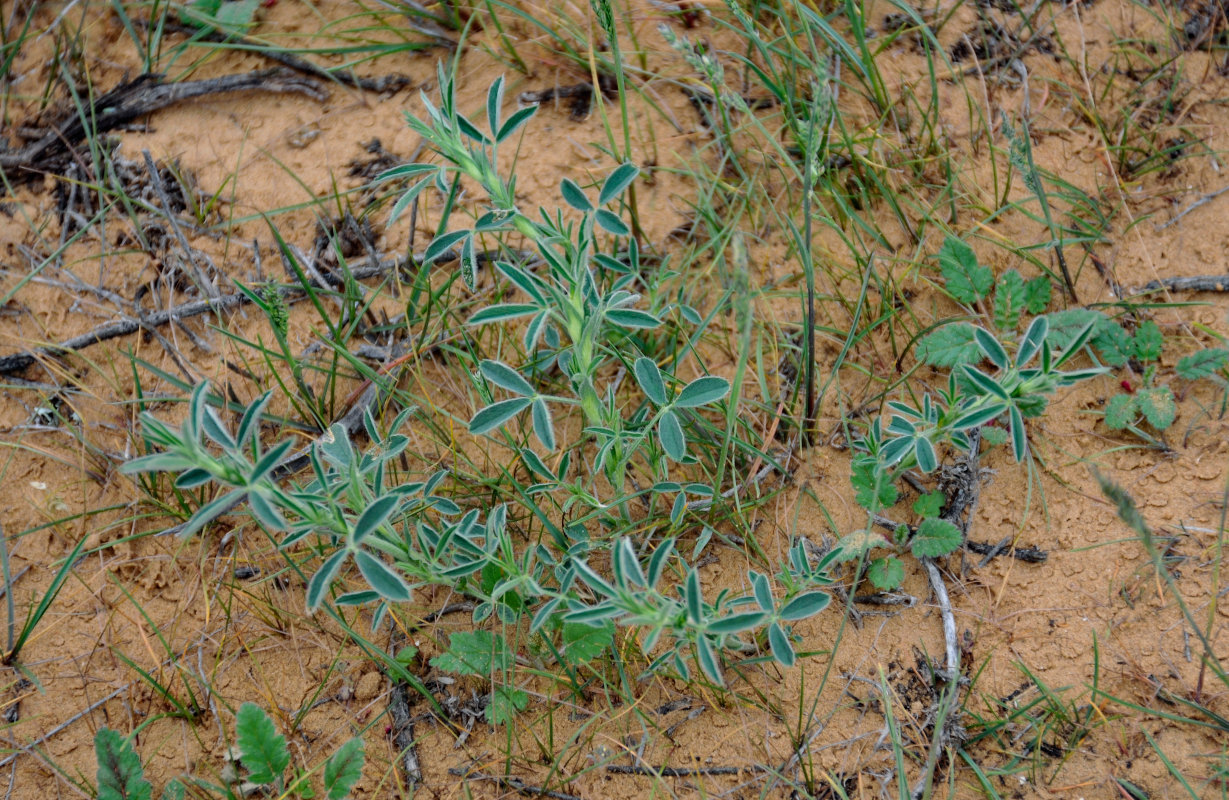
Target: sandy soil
[{"x": 218, "y": 620}]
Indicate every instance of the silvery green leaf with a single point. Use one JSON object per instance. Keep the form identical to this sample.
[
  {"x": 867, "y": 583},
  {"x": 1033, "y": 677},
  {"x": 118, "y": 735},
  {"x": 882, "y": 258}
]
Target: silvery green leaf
[
  {"x": 650, "y": 380},
  {"x": 381, "y": 578},
  {"x": 574, "y": 196},
  {"x": 373, "y": 517},
  {"x": 694, "y": 597},
  {"x": 443, "y": 243},
  {"x": 157, "y": 462},
  {"x": 503, "y": 311},
  {"x": 924, "y": 452},
  {"x": 543, "y": 426},
  {"x": 617, "y": 182},
  {"x": 1032, "y": 341},
  {"x": 1019, "y": 442},
  {"x": 987, "y": 384},
  {"x": 737, "y": 623},
  {"x": 523, "y": 280},
  {"x": 782, "y": 650},
  {"x": 670, "y": 433},
  {"x": 629, "y": 564},
  {"x": 266, "y": 513},
  {"x": 708, "y": 661},
  {"x": 514, "y": 122},
  {"x": 807, "y": 604},
  {"x": 505, "y": 377},
  {"x": 762, "y": 590},
  {"x": 408, "y": 197},
  {"x": 497, "y": 414},
  {"x": 611, "y": 222},
  {"x": 632, "y": 318},
  {"x": 190, "y": 479},
  {"x": 657, "y": 563},
  {"x": 991, "y": 347},
  {"x": 323, "y": 579},
  {"x": 702, "y": 391},
  {"x": 494, "y": 100}
]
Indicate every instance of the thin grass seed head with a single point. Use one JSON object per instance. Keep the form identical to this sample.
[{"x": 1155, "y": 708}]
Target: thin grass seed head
[
  {"x": 275, "y": 308},
  {"x": 820, "y": 115},
  {"x": 702, "y": 60},
  {"x": 605, "y": 17},
  {"x": 1017, "y": 155}
]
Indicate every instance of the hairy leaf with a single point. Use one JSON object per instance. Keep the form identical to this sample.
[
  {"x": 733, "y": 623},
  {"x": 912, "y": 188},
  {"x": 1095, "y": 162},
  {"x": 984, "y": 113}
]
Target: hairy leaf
[
  {"x": 1009, "y": 300},
  {"x": 950, "y": 346},
  {"x": 504, "y": 704},
  {"x": 1148, "y": 341},
  {"x": 967, "y": 281},
  {"x": 1120, "y": 411},
  {"x": 929, "y": 504},
  {"x": 886, "y": 573},
  {"x": 1037, "y": 295},
  {"x": 261, "y": 748},
  {"x": 1158, "y": 406},
  {"x": 871, "y": 496},
  {"x": 854, "y": 545},
  {"x": 935, "y": 537},
  {"x": 474, "y": 653},
  {"x": 343, "y": 769},
  {"x": 1113, "y": 342},
  {"x": 1202, "y": 364},
  {"x": 120, "y": 774},
  {"x": 582, "y": 643}
]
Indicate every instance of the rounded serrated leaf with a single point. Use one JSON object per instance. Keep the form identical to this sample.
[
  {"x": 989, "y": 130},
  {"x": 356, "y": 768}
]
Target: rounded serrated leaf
[{"x": 934, "y": 538}]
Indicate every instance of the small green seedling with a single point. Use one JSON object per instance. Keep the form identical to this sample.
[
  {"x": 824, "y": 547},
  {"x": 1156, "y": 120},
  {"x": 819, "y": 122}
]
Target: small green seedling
[{"x": 262, "y": 752}]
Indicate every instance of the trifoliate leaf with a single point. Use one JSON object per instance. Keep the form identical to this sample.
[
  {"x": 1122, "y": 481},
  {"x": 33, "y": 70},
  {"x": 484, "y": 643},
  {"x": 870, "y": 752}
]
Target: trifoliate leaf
[
  {"x": 474, "y": 653},
  {"x": 854, "y": 545},
  {"x": 870, "y": 496},
  {"x": 886, "y": 573},
  {"x": 1009, "y": 300},
  {"x": 504, "y": 704},
  {"x": 935, "y": 537},
  {"x": 950, "y": 346},
  {"x": 1148, "y": 341},
  {"x": 1037, "y": 295},
  {"x": 1158, "y": 406},
  {"x": 1202, "y": 364},
  {"x": 967, "y": 281}
]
